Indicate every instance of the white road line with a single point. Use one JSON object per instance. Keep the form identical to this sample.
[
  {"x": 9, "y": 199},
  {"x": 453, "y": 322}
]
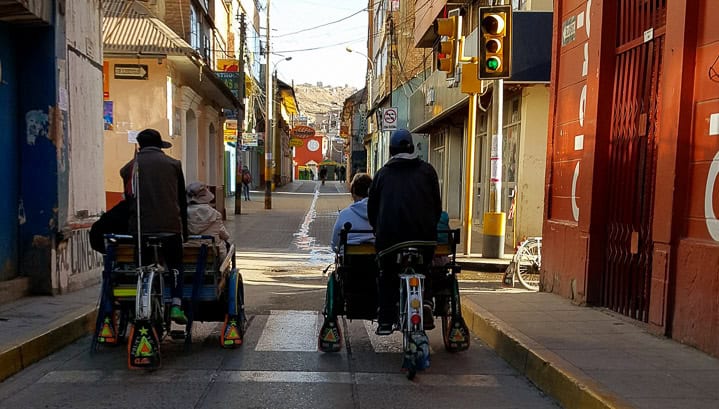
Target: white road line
[
  {"x": 203, "y": 376},
  {"x": 289, "y": 331}
]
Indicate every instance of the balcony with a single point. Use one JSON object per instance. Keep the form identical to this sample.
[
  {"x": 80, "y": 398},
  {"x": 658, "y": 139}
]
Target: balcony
[{"x": 26, "y": 11}]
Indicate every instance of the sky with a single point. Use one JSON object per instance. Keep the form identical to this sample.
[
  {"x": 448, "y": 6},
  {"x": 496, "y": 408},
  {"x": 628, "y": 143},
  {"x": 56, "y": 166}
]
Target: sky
[{"x": 329, "y": 63}]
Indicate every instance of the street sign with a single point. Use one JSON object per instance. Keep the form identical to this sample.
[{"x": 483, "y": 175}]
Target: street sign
[
  {"x": 389, "y": 119},
  {"x": 302, "y": 131},
  {"x": 130, "y": 71}
]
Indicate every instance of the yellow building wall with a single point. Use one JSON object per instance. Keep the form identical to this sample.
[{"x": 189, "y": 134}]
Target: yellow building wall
[
  {"x": 137, "y": 105},
  {"x": 532, "y": 161}
]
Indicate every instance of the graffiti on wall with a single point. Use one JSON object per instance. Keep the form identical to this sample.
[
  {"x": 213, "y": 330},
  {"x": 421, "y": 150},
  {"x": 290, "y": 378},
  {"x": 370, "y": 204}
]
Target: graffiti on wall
[
  {"x": 74, "y": 254},
  {"x": 37, "y": 124}
]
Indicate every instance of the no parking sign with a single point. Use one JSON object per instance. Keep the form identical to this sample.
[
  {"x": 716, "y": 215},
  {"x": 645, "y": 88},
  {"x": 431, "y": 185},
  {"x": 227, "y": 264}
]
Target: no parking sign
[{"x": 389, "y": 119}]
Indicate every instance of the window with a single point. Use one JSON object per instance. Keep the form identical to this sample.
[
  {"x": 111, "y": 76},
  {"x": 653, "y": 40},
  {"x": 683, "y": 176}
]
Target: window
[{"x": 194, "y": 29}]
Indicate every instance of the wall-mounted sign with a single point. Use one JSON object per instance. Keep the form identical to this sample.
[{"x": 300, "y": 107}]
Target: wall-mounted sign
[
  {"x": 296, "y": 142},
  {"x": 228, "y": 65},
  {"x": 230, "y": 130},
  {"x": 131, "y": 71},
  {"x": 302, "y": 131},
  {"x": 231, "y": 80},
  {"x": 249, "y": 139}
]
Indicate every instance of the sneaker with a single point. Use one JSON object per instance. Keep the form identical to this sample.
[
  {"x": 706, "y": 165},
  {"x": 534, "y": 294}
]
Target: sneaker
[
  {"x": 427, "y": 318},
  {"x": 384, "y": 329},
  {"x": 177, "y": 315}
]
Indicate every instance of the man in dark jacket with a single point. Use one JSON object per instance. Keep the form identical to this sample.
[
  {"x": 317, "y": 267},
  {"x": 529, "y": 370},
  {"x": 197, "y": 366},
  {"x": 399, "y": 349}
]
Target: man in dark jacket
[
  {"x": 163, "y": 205},
  {"x": 404, "y": 204}
]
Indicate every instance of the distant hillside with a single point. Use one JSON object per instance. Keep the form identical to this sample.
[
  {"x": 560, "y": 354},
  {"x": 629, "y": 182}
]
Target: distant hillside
[{"x": 317, "y": 100}]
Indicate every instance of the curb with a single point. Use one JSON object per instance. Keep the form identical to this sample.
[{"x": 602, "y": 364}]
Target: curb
[
  {"x": 28, "y": 351},
  {"x": 552, "y": 374},
  {"x": 486, "y": 265}
]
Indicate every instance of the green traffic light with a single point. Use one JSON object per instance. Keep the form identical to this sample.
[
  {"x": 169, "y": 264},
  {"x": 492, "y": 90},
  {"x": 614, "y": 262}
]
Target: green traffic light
[{"x": 493, "y": 64}]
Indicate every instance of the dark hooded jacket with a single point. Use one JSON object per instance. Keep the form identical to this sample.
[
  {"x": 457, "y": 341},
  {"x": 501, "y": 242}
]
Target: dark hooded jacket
[
  {"x": 162, "y": 193},
  {"x": 404, "y": 202}
]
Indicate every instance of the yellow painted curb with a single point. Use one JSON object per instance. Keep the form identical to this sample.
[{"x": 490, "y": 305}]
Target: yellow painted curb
[
  {"x": 19, "y": 357},
  {"x": 556, "y": 377}
]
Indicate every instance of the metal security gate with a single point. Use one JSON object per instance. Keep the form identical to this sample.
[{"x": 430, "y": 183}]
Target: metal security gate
[{"x": 633, "y": 156}]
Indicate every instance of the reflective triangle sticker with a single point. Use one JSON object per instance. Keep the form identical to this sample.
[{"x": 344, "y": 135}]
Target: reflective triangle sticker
[
  {"x": 330, "y": 335},
  {"x": 145, "y": 348}
]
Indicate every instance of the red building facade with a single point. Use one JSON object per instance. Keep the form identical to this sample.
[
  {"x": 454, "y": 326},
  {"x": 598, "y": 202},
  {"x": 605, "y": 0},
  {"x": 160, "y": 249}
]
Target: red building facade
[
  {"x": 632, "y": 195},
  {"x": 309, "y": 154}
]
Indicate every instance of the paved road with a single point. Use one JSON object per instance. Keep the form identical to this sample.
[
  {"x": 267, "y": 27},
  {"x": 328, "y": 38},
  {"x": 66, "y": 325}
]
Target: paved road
[{"x": 282, "y": 255}]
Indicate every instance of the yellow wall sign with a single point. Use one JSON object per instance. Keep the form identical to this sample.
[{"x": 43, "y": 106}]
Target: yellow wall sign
[
  {"x": 230, "y": 130},
  {"x": 295, "y": 142},
  {"x": 228, "y": 65}
]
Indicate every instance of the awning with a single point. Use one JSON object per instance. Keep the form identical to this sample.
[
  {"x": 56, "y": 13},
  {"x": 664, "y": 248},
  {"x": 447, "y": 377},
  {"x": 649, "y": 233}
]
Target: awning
[{"x": 131, "y": 30}]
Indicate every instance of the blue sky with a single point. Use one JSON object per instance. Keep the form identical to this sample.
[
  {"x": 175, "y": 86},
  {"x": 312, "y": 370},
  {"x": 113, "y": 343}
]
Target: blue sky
[{"x": 331, "y": 64}]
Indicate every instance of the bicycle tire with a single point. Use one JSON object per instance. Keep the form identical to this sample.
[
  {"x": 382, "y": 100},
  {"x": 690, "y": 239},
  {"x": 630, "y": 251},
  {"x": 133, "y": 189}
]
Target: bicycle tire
[{"x": 528, "y": 262}]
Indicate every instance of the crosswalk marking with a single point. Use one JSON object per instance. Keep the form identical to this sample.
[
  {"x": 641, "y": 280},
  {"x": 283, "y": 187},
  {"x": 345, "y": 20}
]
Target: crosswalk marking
[
  {"x": 385, "y": 343},
  {"x": 291, "y": 331},
  {"x": 179, "y": 376}
]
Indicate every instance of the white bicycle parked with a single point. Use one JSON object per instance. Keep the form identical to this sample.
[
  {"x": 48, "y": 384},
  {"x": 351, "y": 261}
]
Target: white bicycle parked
[{"x": 526, "y": 264}]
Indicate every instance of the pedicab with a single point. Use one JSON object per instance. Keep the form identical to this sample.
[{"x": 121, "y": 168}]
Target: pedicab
[
  {"x": 352, "y": 293},
  {"x": 135, "y": 299}
]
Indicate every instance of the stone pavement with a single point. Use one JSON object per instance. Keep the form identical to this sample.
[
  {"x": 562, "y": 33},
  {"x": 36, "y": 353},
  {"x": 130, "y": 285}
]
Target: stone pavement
[{"x": 583, "y": 357}]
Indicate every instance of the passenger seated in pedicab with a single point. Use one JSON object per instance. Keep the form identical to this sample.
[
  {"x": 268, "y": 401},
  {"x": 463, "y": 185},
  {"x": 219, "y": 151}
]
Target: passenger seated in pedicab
[
  {"x": 203, "y": 219},
  {"x": 356, "y": 214}
]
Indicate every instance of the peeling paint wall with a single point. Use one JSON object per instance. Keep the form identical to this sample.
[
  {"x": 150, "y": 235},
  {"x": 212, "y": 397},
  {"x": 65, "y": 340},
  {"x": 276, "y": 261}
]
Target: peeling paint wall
[{"x": 79, "y": 146}]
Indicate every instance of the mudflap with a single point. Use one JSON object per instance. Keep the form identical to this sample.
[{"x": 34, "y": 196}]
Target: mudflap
[
  {"x": 232, "y": 332},
  {"x": 108, "y": 331},
  {"x": 456, "y": 338},
  {"x": 416, "y": 356},
  {"x": 330, "y": 337},
  {"x": 143, "y": 347}
]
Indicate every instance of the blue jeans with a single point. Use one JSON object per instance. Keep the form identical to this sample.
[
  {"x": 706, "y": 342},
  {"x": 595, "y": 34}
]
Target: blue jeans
[{"x": 246, "y": 190}]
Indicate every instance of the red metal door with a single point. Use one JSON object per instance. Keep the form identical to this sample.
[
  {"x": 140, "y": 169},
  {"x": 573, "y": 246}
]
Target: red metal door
[{"x": 632, "y": 156}]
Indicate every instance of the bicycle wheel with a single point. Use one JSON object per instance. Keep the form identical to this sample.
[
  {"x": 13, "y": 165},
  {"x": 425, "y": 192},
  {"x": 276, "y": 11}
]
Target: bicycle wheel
[{"x": 529, "y": 261}]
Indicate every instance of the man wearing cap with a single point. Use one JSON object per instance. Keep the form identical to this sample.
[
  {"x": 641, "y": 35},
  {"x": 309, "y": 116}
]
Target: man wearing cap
[
  {"x": 404, "y": 204},
  {"x": 163, "y": 205}
]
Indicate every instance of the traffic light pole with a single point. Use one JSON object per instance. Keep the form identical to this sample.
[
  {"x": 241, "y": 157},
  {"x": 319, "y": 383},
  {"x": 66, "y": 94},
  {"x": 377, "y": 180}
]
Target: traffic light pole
[
  {"x": 495, "y": 220},
  {"x": 469, "y": 170}
]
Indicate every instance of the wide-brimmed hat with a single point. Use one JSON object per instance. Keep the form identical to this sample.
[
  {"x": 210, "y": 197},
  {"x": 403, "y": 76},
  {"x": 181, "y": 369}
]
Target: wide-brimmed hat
[
  {"x": 151, "y": 137},
  {"x": 197, "y": 192}
]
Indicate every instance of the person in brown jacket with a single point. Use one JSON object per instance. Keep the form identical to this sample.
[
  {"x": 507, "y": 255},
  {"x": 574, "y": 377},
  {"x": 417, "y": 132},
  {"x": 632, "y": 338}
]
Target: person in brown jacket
[{"x": 163, "y": 205}]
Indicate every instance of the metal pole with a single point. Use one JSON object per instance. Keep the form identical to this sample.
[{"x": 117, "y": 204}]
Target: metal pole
[
  {"x": 240, "y": 123},
  {"x": 495, "y": 220},
  {"x": 268, "y": 118},
  {"x": 469, "y": 170}
]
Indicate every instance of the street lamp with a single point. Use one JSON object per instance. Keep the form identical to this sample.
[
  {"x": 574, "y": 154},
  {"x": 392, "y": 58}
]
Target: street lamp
[{"x": 369, "y": 77}]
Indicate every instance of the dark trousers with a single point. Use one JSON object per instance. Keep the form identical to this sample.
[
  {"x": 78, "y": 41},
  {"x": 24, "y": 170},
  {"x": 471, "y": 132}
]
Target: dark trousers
[{"x": 171, "y": 252}]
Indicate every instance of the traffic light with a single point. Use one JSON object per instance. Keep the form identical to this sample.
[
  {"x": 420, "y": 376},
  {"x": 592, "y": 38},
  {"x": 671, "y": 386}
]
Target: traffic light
[
  {"x": 495, "y": 42},
  {"x": 450, "y": 29}
]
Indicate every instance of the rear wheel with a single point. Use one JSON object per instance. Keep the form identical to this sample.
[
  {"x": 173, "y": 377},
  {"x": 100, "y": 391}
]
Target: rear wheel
[{"x": 528, "y": 263}]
